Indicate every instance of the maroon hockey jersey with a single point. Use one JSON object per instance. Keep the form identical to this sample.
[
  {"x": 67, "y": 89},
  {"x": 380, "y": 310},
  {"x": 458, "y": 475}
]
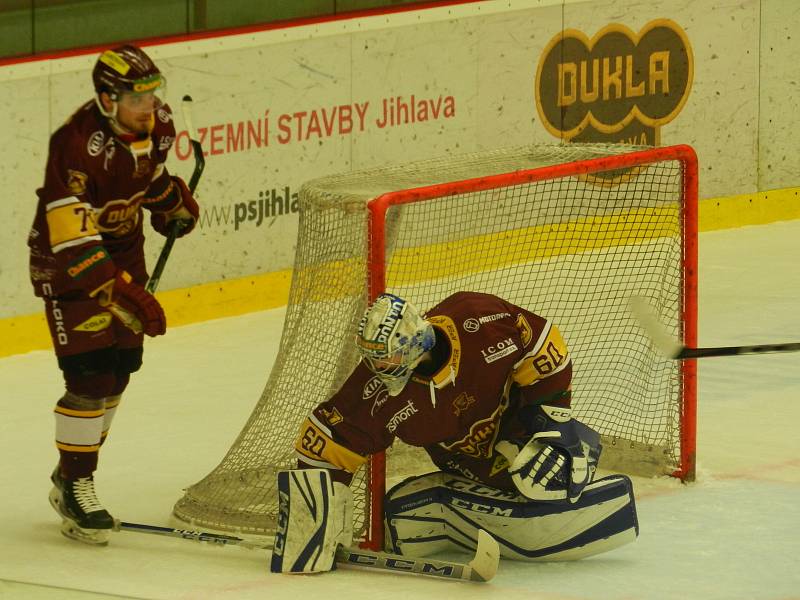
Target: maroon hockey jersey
[
  {"x": 88, "y": 219},
  {"x": 495, "y": 360}
]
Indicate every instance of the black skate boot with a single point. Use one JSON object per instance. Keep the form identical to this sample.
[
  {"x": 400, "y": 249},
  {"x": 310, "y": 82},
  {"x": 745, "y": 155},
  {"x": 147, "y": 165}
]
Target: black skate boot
[{"x": 83, "y": 518}]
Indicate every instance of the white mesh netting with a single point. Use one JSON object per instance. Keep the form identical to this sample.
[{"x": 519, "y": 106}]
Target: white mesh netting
[{"x": 573, "y": 249}]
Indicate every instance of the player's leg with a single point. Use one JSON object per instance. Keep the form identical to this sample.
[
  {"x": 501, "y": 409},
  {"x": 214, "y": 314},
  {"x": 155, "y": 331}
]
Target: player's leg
[
  {"x": 84, "y": 340},
  {"x": 439, "y": 511},
  {"x": 128, "y": 343}
]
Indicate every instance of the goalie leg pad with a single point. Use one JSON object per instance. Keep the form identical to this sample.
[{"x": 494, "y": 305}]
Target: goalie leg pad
[
  {"x": 315, "y": 515},
  {"x": 438, "y": 512}
]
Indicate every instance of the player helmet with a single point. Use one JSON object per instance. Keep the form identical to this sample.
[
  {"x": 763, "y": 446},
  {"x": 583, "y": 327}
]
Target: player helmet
[
  {"x": 392, "y": 338},
  {"x": 128, "y": 75}
]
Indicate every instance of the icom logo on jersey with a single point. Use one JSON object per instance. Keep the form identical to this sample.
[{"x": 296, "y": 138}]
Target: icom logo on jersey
[
  {"x": 401, "y": 416},
  {"x": 499, "y": 350},
  {"x": 472, "y": 324}
]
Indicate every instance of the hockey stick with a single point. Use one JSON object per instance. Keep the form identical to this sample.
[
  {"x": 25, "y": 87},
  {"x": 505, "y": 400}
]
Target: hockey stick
[
  {"x": 482, "y": 567},
  {"x": 672, "y": 348},
  {"x": 176, "y": 226}
]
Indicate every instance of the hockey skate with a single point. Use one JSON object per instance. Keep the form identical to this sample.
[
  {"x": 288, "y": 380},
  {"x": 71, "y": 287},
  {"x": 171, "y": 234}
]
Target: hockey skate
[{"x": 83, "y": 518}]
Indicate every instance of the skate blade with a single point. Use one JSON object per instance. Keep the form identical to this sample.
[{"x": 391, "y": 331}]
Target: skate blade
[
  {"x": 94, "y": 537},
  {"x": 70, "y": 529}
]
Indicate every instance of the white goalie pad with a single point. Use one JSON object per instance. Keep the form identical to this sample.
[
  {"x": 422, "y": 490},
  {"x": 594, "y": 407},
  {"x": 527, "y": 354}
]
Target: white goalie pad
[
  {"x": 315, "y": 515},
  {"x": 439, "y": 512}
]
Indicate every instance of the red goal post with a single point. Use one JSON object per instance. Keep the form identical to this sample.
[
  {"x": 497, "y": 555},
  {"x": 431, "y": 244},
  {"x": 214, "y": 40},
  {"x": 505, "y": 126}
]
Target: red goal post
[{"x": 683, "y": 154}]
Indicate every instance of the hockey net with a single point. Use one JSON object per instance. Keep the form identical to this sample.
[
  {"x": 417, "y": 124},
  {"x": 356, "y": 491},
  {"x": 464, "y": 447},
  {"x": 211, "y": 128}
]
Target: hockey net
[{"x": 570, "y": 232}]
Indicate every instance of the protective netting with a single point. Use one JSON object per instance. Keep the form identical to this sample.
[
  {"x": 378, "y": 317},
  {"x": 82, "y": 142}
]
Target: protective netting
[{"x": 573, "y": 249}]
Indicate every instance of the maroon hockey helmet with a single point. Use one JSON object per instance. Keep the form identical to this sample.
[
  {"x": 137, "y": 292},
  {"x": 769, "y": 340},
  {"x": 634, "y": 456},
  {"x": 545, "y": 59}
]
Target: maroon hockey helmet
[{"x": 126, "y": 70}]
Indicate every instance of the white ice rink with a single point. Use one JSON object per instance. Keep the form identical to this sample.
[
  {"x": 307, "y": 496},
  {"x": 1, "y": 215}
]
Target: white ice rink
[{"x": 735, "y": 533}]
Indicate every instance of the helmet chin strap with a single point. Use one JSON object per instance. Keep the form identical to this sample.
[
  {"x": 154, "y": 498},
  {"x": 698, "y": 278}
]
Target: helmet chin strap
[{"x": 126, "y": 134}]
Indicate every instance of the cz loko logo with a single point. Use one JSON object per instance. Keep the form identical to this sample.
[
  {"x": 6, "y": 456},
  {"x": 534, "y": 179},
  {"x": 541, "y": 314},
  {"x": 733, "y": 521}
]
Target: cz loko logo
[{"x": 618, "y": 87}]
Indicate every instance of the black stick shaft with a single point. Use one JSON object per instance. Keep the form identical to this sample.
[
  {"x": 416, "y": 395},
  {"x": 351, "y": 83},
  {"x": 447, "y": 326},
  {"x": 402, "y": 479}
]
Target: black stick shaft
[
  {"x": 176, "y": 226},
  {"x": 735, "y": 350}
]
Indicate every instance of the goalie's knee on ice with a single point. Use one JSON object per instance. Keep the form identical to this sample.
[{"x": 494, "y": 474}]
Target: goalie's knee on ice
[
  {"x": 315, "y": 515},
  {"x": 438, "y": 511}
]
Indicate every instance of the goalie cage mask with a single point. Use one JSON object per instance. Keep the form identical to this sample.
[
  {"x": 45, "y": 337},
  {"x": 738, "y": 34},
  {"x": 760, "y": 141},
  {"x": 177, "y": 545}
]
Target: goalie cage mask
[{"x": 392, "y": 338}]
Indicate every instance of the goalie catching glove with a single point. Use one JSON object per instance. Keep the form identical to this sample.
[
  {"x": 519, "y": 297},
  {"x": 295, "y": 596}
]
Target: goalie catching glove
[
  {"x": 556, "y": 463},
  {"x": 315, "y": 515},
  {"x": 129, "y": 302},
  {"x": 179, "y": 205}
]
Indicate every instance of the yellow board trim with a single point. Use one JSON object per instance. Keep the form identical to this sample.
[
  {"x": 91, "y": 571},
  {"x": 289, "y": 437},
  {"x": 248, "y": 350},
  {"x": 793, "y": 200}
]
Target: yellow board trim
[
  {"x": 183, "y": 306},
  {"x": 270, "y": 290}
]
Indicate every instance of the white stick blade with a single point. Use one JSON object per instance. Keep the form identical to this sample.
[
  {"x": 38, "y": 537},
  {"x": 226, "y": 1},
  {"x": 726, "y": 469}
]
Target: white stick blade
[
  {"x": 186, "y": 108},
  {"x": 646, "y": 315},
  {"x": 487, "y": 558}
]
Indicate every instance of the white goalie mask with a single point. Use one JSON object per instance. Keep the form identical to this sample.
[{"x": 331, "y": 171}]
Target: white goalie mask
[{"x": 392, "y": 338}]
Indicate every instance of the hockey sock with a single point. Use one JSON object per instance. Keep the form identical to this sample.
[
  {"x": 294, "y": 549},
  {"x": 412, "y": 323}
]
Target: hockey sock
[
  {"x": 111, "y": 404},
  {"x": 79, "y": 426}
]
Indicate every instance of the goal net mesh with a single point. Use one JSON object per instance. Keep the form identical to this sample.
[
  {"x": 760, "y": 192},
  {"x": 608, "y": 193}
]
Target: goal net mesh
[{"x": 573, "y": 249}]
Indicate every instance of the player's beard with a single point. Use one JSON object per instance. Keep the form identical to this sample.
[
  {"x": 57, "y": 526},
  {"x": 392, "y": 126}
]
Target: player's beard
[
  {"x": 139, "y": 124},
  {"x": 135, "y": 124}
]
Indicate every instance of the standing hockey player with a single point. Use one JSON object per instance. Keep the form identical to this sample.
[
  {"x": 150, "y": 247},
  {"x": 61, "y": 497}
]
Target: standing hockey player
[
  {"x": 484, "y": 387},
  {"x": 105, "y": 164}
]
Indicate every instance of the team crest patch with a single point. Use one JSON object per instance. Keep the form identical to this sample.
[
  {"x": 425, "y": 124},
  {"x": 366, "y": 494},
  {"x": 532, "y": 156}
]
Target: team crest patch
[
  {"x": 333, "y": 417},
  {"x": 462, "y": 402},
  {"x": 76, "y": 182},
  {"x": 525, "y": 330}
]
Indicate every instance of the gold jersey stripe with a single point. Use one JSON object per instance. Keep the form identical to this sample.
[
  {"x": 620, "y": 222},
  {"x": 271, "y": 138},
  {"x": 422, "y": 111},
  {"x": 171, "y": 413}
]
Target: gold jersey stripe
[
  {"x": 548, "y": 357},
  {"x": 315, "y": 444},
  {"x": 70, "y": 223}
]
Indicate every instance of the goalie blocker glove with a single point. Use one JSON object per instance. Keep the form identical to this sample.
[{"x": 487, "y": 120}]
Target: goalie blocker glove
[
  {"x": 315, "y": 515},
  {"x": 558, "y": 462}
]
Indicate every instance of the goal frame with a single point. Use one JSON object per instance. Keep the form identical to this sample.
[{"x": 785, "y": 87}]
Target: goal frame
[{"x": 376, "y": 277}]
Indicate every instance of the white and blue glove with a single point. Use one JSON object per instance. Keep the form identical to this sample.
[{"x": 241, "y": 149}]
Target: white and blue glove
[{"x": 554, "y": 464}]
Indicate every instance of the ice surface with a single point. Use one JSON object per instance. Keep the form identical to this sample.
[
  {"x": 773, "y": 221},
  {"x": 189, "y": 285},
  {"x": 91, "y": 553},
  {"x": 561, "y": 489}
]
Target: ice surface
[{"x": 735, "y": 533}]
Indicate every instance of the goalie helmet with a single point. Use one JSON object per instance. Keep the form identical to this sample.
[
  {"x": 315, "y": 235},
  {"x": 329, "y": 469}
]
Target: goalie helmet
[{"x": 392, "y": 338}]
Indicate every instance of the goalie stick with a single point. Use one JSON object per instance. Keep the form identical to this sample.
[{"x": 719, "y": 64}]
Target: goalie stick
[
  {"x": 176, "y": 226},
  {"x": 672, "y": 347},
  {"x": 482, "y": 567}
]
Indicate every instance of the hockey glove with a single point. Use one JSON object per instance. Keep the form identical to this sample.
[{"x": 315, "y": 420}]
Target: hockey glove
[
  {"x": 185, "y": 210},
  {"x": 554, "y": 465},
  {"x": 138, "y": 309}
]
